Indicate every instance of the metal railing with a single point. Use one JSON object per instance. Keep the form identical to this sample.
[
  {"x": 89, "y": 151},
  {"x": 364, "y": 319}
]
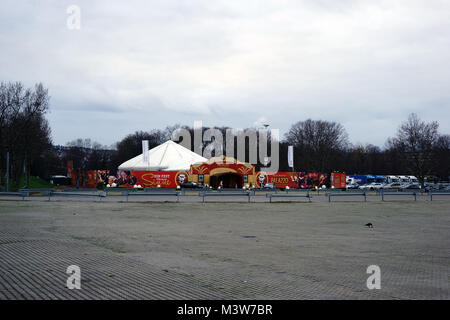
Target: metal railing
[
  {"x": 286, "y": 195},
  {"x": 158, "y": 193},
  {"x": 290, "y": 193},
  {"x": 400, "y": 193},
  {"x": 226, "y": 194},
  {"x": 100, "y": 195},
  {"x": 431, "y": 194},
  {"x": 351, "y": 194}
]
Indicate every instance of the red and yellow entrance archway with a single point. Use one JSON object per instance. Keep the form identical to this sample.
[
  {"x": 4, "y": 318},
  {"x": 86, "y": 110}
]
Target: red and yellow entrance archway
[{"x": 223, "y": 171}]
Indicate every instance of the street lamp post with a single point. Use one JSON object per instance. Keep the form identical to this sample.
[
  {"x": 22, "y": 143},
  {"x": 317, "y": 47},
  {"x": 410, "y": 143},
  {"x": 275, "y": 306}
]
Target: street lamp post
[{"x": 7, "y": 171}]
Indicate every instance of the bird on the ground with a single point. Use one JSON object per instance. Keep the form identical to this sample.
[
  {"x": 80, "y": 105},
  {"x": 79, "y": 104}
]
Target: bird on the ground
[{"x": 369, "y": 225}]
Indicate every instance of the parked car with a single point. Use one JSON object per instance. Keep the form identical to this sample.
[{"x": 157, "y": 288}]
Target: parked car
[
  {"x": 444, "y": 187},
  {"x": 60, "y": 180},
  {"x": 394, "y": 185},
  {"x": 269, "y": 185},
  {"x": 430, "y": 187},
  {"x": 376, "y": 186},
  {"x": 372, "y": 186},
  {"x": 411, "y": 186},
  {"x": 352, "y": 186},
  {"x": 191, "y": 185}
]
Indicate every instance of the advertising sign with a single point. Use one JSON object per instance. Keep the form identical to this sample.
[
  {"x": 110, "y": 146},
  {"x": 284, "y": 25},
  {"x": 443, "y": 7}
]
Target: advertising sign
[
  {"x": 69, "y": 168},
  {"x": 280, "y": 179},
  {"x": 91, "y": 179},
  {"x": 338, "y": 180},
  {"x": 313, "y": 179},
  {"x": 291, "y": 156},
  {"x": 145, "y": 150},
  {"x": 151, "y": 179},
  {"x": 102, "y": 177}
]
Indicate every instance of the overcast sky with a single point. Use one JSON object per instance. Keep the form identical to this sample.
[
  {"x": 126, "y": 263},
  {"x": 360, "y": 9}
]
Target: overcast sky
[{"x": 140, "y": 65}]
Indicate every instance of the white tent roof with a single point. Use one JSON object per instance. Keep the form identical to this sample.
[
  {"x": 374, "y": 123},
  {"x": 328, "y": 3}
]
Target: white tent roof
[{"x": 169, "y": 156}]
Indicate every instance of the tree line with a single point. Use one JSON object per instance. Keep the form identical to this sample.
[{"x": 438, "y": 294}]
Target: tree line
[
  {"x": 418, "y": 148},
  {"x": 24, "y": 130},
  {"x": 319, "y": 146}
]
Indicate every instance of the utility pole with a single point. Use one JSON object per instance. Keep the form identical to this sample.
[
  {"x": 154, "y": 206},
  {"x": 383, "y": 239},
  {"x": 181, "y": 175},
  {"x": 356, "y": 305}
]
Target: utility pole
[
  {"x": 25, "y": 171},
  {"x": 7, "y": 171}
]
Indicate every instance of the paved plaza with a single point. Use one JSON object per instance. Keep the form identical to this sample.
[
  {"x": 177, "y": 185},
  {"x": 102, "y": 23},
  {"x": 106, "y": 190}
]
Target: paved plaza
[{"x": 227, "y": 250}]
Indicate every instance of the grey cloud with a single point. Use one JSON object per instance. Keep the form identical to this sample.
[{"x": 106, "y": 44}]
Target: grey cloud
[{"x": 139, "y": 65}]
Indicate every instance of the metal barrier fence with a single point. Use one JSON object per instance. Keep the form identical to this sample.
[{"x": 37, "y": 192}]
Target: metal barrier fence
[
  {"x": 273, "y": 193},
  {"x": 261, "y": 190},
  {"x": 53, "y": 193},
  {"x": 79, "y": 190},
  {"x": 225, "y": 194},
  {"x": 20, "y": 194},
  {"x": 403, "y": 193},
  {"x": 100, "y": 195},
  {"x": 286, "y": 195},
  {"x": 431, "y": 194},
  {"x": 176, "y": 193},
  {"x": 329, "y": 195},
  {"x": 44, "y": 191}
]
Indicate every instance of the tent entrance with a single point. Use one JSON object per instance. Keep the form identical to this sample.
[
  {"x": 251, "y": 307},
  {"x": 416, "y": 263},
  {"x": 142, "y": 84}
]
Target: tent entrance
[{"x": 227, "y": 180}]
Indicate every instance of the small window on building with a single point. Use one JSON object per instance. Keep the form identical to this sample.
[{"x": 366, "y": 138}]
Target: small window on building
[
  {"x": 201, "y": 178},
  {"x": 245, "y": 178}
]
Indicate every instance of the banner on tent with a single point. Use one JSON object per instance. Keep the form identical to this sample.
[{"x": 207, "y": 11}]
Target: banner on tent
[
  {"x": 151, "y": 179},
  {"x": 280, "y": 179}
]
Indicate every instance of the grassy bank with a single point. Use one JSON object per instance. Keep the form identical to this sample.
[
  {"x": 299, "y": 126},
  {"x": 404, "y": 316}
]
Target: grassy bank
[{"x": 35, "y": 183}]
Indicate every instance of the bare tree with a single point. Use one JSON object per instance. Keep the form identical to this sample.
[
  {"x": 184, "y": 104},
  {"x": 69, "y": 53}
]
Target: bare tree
[
  {"x": 24, "y": 132},
  {"x": 442, "y": 154},
  {"x": 415, "y": 144},
  {"x": 131, "y": 145},
  {"x": 87, "y": 154},
  {"x": 317, "y": 144}
]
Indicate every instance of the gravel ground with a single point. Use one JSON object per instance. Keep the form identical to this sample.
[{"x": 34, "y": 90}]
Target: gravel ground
[{"x": 143, "y": 250}]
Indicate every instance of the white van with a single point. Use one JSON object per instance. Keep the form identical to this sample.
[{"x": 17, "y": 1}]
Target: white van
[
  {"x": 350, "y": 180},
  {"x": 392, "y": 179},
  {"x": 413, "y": 179},
  {"x": 404, "y": 179}
]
